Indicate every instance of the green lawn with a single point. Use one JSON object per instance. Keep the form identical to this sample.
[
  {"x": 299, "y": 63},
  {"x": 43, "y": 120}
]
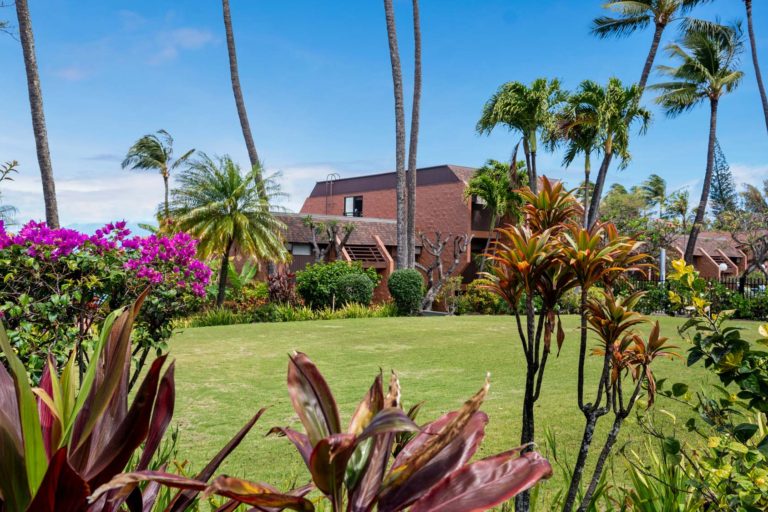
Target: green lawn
[{"x": 225, "y": 374}]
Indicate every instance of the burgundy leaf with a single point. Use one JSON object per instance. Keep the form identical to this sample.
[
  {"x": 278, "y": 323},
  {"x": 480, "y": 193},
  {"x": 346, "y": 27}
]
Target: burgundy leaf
[
  {"x": 371, "y": 404},
  {"x": 62, "y": 489},
  {"x": 453, "y": 456},
  {"x": 183, "y": 499},
  {"x": 312, "y": 399},
  {"x": 9, "y": 407},
  {"x": 125, "y": 483},
  {"x": 485, "y": 483},
  {"x": 299, "y": 440},
  {"x": 391, "y": 419},
  {"x": 161, "y": 416},
  {"x": 48, "y": 423},
  {"x": 130, "y": 433},
  {"x": 259, "y": 495},
  {"x": 299, "y": 491},
  {"x": 362, "y": 496},
  {"x": 328, "y": 462},
  {"x": 14, "y": 486}
]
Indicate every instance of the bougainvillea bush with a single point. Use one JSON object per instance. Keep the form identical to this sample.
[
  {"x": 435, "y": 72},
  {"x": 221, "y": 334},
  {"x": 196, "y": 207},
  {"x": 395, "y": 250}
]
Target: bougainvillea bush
[{"x": 58, "y": 283}]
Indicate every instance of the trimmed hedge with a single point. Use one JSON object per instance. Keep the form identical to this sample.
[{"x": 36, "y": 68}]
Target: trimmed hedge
[
  {"x": 354, "y": 289},
  {"x": 407, "y": 289},
  {"x": 318, "y": 284}
]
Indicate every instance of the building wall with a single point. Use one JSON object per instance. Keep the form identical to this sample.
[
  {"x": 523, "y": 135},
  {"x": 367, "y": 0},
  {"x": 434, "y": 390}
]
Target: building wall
[{"x": 438, "y": 207}]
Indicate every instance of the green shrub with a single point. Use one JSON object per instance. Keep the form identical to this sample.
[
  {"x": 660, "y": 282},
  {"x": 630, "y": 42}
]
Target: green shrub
[
  {"x": 318, "y": 284},
  {"x": 218, "y": 316},
  {"x": 407, "y": 289},
  {"x": 354, "y": 289},
  {"x": 479, "y": 300}
]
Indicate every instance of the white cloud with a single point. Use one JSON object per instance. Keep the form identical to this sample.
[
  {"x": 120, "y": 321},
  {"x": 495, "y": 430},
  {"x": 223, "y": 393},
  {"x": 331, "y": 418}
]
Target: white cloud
[
  {"x": 752, "y": 174},
  {"x": 171, "y": 43},
  {"x": 71, "y": 73}
]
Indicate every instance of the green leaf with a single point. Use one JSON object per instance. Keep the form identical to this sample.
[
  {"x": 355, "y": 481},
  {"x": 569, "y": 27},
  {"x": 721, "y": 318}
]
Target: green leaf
[
  {"x": 679, "y": 389},
  {"x": 35, "y": 459},
  {"x": 744, "y": 431},
  {"x": 671, "y": 446}
]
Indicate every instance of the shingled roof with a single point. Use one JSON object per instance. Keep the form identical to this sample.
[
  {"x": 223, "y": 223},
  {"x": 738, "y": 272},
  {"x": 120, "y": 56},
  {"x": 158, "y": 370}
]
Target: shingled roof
[
  {"x": 365, "y": 228},
  {"x": 425, "y": 176},
  {"x": 711, "y": 241}
]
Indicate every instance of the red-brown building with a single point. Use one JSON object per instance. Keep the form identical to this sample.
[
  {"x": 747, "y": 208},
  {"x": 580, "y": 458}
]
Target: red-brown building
[{"x": 369, "y": 202}]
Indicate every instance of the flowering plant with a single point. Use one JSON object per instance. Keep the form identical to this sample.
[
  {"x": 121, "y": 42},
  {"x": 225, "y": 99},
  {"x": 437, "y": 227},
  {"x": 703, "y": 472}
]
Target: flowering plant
[{"x": 59, "y": 282}]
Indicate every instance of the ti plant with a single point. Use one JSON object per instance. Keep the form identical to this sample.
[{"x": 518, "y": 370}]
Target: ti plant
[
  {"x": 58, "y": 441},
  {"x": 381, "y": 461}
]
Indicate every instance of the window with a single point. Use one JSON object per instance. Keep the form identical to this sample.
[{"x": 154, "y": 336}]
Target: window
[
  {"x": 301, "y": 250},
  {"x": 353, "y": 206}
]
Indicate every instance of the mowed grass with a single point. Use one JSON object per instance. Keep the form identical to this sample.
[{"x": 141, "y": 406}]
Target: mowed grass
[{"x": 225, "y": 374}]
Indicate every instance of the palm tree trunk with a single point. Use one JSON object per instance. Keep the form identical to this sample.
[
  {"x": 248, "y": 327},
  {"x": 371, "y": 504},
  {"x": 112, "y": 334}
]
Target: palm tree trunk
[
  {"x": 397, "y": 80},
  {"x": 528, "y": 164},
  {"x": 38, "y": 115},
  {"x": 223, "y": 273},
  {"x": 758, "y": 75},
  {"x": 167, "y": 209},
  {"x": 587, "y": 170},
  {"x": 651, "y": 56},
  {"x": 491, "y": 229},
  {"x": 412, "y": 149},
  {"x": 594, "y": 204},
  {"x": 234, "y": 74},
  {"x": 701, "y": 210}
]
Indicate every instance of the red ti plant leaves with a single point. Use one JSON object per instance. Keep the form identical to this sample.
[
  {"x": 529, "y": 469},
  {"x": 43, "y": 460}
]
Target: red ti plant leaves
[
  {"x": 14, "y": 488},
  {"x": 183, "y": 499},
  {"x": 62, "y": 489},
  {"x": 312, "y": 399},
  {"x": 257, "y": 495},
  {"x": 372, "y": 403},
  {"x": 161, "y": 417},
  {"x": 299, "y": 440},
  {"x": 485, "y": 483},
  {"x": 453, "y": 456}
]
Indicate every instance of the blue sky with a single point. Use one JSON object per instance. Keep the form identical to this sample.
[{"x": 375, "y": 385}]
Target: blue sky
[{"x": 318, "y": 89}]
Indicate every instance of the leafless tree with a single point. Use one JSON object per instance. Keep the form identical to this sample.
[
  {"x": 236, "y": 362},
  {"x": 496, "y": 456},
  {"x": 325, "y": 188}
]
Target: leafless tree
[
  {"x": 335, "y": 235},
  {"x": 435, "y": 271}
]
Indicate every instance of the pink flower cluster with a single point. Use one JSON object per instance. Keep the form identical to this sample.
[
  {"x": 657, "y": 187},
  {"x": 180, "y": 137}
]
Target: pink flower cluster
[
  {"x": 155, "y": 258},
  {"x": 153, "y": 252}
]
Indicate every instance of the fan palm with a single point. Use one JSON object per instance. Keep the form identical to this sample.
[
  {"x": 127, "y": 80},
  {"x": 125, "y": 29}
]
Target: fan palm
[
  {"x": 155, "y": 152},
  {"x": 632, "y": 15},
  {"x": 758, "y": 74},
  {"x": 223, "y": 207},
  {"x": 492, "y": 184},
  {"x": 707, "y": 71},
  {"x": 610, "y": 111},
  {"x": 654, "y": 189},
  {"x": 525, "y": 109}
]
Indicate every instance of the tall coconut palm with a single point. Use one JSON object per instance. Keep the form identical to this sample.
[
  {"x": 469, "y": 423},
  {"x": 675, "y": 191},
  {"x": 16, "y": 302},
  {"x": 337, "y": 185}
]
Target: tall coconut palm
[
  {"x": 38, "y": 115},
  {"x": 610, "y": 110},
  {"x": 654, "y": 189},
  {"x": 414, "y": 142},
  {"x": 154, "y": 152},
  {"x": 401, "y": 185},
  {"x": 707, "y": 71},
  {"x": 632, "y": 15},
  {"x": 492, "y": 184},
  {"x": 224, "y": 208},
  {"x": 525, "y": 109},
  {"x": 234, "y": 75},
  {"x": 758, "y": 74}
]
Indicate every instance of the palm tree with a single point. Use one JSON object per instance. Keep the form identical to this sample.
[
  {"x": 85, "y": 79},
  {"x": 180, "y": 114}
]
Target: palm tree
[
  {"x": 654, "y": 189},
  {"x": 528, "y": 110},
  {"x": 679, "y": 205},
  {"x": 401, "y": 186},
  {"x": 579, "y": 138},
  {"x": 222, "y": 207},
  {"x": 707, "y": 71},
  {"x": 412, "y": 148},
  {"x": 492, "y": 184},
  {"x": 753, "y": 46},
  {"x": 242, "y": 113},
  {"x": 610, "y": 111},
  {"x": 7, "y": 212},
  {"x": 633, "y": 15},
  {"x": 155, "y": 152},
  {"x": 755, "y": 201},
  {"x": 38, "y": 114}
]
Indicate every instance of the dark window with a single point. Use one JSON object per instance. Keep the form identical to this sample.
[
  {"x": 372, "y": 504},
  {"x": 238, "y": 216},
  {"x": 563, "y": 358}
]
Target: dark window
[{"x": 353, "y": 206}]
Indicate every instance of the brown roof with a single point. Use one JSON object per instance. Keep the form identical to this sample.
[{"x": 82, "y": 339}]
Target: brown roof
[
  {"x": 711, "y": 241},
  {"x": 365, "y": 228},
  {"x": 425, "y": 176}
]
